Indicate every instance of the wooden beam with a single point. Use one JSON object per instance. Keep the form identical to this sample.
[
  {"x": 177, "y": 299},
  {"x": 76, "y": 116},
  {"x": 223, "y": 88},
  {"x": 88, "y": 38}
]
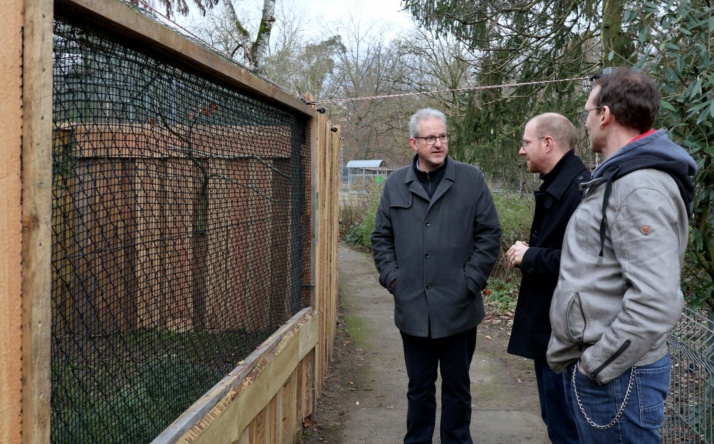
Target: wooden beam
[
  {"x": 36, "y": 220},
  {"x": 11, "y": 113}
]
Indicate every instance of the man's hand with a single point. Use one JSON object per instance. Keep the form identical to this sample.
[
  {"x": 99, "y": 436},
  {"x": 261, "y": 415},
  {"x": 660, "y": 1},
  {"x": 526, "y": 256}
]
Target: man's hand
[{"x": 514, "y": 255}]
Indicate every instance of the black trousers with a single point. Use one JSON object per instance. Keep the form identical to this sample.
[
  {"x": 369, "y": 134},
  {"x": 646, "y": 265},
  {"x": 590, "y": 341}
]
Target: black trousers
[{"x": 452, "y": 356}]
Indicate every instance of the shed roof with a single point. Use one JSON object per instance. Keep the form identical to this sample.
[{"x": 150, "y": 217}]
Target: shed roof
[{"x": 366, "y": 164}]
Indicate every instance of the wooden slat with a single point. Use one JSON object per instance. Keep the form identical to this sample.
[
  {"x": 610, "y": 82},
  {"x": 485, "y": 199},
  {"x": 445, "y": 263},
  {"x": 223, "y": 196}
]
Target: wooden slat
[
  {"x": 147, "y": 140},
  {"x": 11, "y": 222},
  {"x": 37, "y": 219}
]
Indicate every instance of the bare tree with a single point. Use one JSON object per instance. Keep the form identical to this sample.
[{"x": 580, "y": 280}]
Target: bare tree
[
  {"x": 254, "y": 52},
  {"x": 181, "y": 6},
  {"x": 227, "y": 29},
  {"x": 370, "y": 68}
]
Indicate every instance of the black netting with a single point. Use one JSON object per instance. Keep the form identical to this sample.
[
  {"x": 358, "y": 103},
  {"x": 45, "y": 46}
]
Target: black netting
[{"x": 180, "y": 232}]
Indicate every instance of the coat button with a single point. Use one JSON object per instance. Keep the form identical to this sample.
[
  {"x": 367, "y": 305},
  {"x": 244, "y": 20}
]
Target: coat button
[
  {"x": 426, "y": 255},
  {"x": 428, "y": 224},
  {"x": 428, "y": 287}
]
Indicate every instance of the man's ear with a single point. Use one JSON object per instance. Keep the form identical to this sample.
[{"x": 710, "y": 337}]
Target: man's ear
[
  {"x": 605, "y": 116},
  {"x": 412, "y": 144}
]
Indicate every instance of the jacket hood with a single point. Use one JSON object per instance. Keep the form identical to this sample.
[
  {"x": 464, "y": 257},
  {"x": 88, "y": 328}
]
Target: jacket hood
[
  {"x": 654, "y": 151},
  {"x": 656, "y": 145}
]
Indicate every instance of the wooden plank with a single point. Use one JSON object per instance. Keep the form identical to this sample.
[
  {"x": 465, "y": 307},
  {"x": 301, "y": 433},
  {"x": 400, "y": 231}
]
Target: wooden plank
[
  {"x": 180, "y": 189},
  {"x": 275, "y": 424},
  {"x": 335, "y": 236},
  {"x": 150, "y": 140},
  {"x": 150, "y": 254},
  {"x": 289, "y": 407},
  {"x": 36, "y": 220},
  {"x": 280, "y": 239},
  {"x": 259, "y": 228},
  {"x": 261, "y": 425},
  {"x": 244, "y": 437},
  {"x": 306, "y": 394},
  {"x": 316, "y": 137},
  {"x": 11, "y": 221}
]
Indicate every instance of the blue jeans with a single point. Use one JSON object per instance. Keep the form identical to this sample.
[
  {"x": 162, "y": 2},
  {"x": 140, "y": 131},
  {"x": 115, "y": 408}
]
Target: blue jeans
[
  {"x": 643, "y": 413},
  {"x": 554, "y": 410},
  {"x": 452, "y": 355}
]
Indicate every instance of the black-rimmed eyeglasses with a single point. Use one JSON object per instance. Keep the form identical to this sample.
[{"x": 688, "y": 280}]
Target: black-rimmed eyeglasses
[{"x": 430, "y": 140}]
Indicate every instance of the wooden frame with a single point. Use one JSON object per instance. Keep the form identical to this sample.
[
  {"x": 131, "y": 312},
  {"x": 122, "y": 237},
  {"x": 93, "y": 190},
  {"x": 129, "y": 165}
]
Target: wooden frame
[{"x": 266, "y": 398}]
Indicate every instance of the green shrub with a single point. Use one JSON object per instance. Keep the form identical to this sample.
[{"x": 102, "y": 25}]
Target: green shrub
[
  {"x": 357, "y": 218},
  {"x": 515, "y": 212}
]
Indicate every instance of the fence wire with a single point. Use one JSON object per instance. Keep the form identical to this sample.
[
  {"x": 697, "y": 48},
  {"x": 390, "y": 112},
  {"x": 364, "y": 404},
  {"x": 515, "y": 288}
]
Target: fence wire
[
  {"x": 690, "y": 405},
  {"x": 180, "y": 233}
]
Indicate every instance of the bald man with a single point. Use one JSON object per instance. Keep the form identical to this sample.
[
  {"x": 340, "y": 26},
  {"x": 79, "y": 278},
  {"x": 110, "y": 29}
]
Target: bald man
[{"x": 547, "y": 148}]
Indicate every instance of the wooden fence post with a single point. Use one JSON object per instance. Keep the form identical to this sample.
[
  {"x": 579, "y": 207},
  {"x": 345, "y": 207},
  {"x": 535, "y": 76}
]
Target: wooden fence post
[
  {"x": 10, "y": 221},
  {"x": 36, "y": 219}
]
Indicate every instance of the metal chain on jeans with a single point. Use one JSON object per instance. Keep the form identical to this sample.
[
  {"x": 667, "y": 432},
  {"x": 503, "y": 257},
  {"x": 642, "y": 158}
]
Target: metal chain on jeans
[{"x": 619, "y": 412}]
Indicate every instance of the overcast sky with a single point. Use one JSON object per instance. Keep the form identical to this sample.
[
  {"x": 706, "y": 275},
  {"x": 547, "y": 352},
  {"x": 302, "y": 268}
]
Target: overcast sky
[
  {"x": 387, "y": 11},
  {"x": 323, "y": 16}
]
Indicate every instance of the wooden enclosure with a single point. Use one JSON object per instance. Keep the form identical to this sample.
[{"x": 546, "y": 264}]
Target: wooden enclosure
[{"x": 266, "y": 398}]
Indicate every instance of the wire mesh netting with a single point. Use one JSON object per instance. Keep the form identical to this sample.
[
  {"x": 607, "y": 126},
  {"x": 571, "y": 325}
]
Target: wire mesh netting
[
  {"x": 690, "y": 405},
  {"x": 180, "y": 234}
]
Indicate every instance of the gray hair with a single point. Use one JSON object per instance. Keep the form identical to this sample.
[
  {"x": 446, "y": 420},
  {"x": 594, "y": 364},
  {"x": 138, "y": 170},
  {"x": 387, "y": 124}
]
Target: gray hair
[{"x": 422, "y": 114}]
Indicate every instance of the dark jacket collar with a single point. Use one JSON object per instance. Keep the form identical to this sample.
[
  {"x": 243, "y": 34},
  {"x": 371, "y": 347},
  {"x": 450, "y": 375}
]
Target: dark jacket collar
[
  {"x": 412, "y": 172},
  {"x": 557, "y": 181},
  {"x": 412, "y": 181}
]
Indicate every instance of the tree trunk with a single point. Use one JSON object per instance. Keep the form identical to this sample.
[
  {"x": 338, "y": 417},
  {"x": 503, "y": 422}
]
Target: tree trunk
[
  {"x": 260, "y": 46},
  {"x": 617, "y": 48}
]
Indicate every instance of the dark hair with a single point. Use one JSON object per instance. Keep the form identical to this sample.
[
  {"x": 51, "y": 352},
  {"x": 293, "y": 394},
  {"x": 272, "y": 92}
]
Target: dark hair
[{"x": 633, "y": 98}]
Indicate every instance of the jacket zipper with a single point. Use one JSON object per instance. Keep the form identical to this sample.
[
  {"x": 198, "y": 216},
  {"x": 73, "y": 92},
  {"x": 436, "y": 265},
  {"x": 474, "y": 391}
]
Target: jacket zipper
[{"x": 609, "y": 360}]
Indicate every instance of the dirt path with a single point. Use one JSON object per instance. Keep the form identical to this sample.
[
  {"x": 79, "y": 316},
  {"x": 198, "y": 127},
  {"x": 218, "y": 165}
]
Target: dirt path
[{"x": 364, "y": 397}]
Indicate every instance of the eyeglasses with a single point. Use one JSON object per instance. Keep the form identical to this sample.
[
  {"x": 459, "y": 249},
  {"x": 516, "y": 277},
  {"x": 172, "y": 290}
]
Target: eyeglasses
[
  {"x": 430, "y": 140},
  {"x": 525, "y": 143},
  {"x": 583, "y": 115}
]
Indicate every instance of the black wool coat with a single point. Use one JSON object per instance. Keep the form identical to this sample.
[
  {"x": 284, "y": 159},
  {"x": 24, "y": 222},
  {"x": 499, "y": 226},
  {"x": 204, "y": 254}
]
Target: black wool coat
[
  {"x": 440, "y": 250},
  {"x": 555, "y": 202}
]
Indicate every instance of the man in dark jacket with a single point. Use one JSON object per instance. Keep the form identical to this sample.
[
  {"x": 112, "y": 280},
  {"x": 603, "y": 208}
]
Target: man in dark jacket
[
  {"x": 435, "y": 241},
  {"x": 546, "y": 146}
]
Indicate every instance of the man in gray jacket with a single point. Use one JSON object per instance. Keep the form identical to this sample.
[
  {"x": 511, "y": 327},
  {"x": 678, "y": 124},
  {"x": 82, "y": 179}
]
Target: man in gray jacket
[
  {"x": 619, "y": 293},
  {"x": 436, "y": 239}
]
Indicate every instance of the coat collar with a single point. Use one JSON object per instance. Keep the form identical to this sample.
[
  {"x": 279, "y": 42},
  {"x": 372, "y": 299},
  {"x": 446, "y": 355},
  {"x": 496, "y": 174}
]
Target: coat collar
[
  {"x": 412, "y": 182},
  {"x": 563, "y": 174}
]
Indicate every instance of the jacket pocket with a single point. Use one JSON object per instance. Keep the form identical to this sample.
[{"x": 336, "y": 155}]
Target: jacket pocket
[
  {"x": 401, "y": 204},
  {"x": 393, "y": 290},
  {"x": 575, "y": 320}
]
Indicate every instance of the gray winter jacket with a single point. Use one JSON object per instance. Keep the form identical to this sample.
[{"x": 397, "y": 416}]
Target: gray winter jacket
[
  {"x": 618, "y": 294},
  {"x": 440, "y": 250}
]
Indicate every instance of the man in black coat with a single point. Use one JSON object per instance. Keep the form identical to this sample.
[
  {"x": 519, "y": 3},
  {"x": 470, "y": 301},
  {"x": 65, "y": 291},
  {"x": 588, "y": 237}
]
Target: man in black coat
[
  {"x": 546, "y": 146},
  {"x": 436, "y": 239}
]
